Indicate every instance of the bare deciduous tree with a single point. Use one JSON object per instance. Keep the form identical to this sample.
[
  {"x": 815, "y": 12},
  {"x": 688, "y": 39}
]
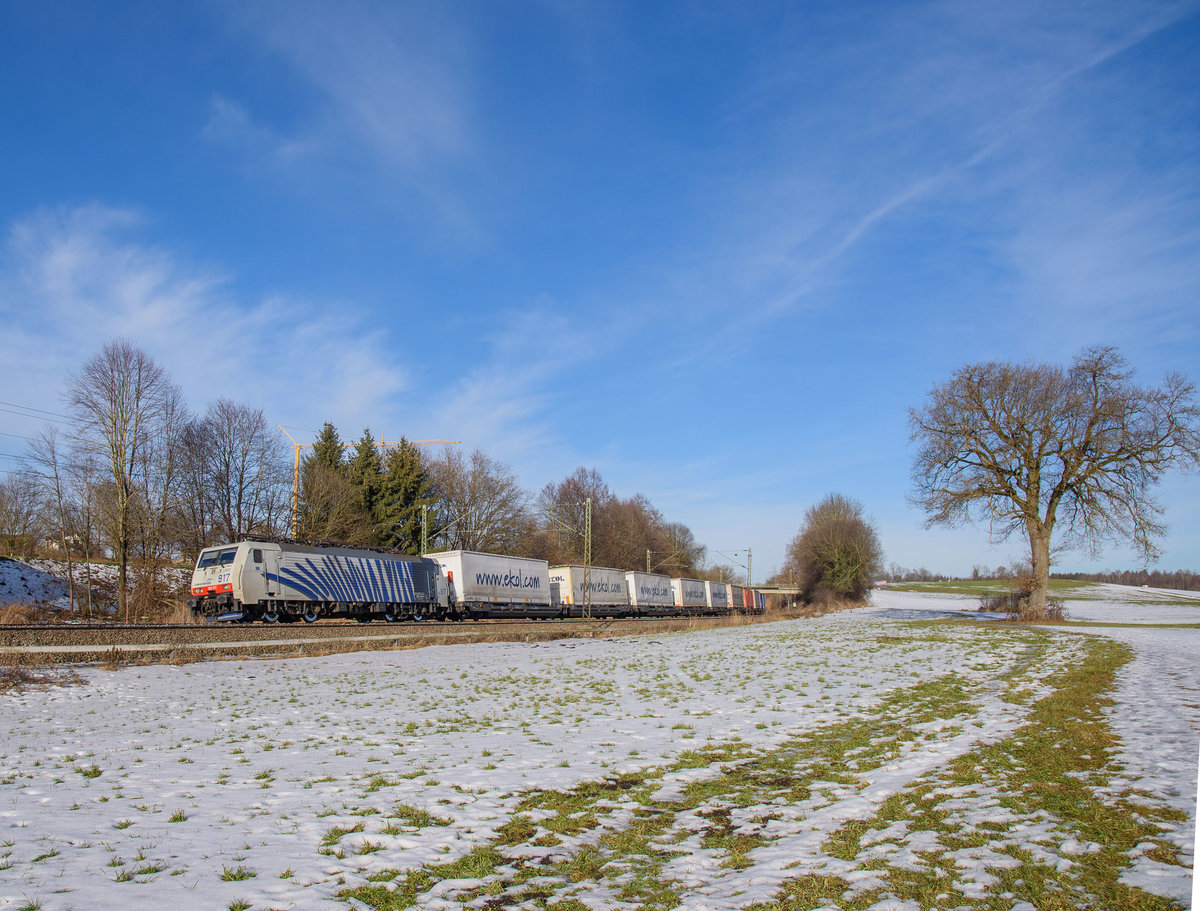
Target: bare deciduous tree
[
  {"x": 245, "y": 471},
  {"x": 48, "y": 454},
  {"x": 19, "y": 509},
  {"x": 481, "y": 505},
  {"x": 84, "y": 471},
  {"x": 623, "y": 531},
  {"x": 1031, "y": 445},
  {"x": 120, "y": 399}
]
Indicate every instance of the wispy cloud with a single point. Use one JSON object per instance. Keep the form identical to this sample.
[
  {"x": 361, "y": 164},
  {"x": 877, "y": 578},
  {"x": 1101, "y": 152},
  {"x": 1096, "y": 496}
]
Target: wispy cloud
[
  {"x": 504, "y": 403},
  {"x": 387, "y": 81},
  {"x": 230, "y": 124},
  {"x": 73, "y": 278},
  {"x": 940, "y": 92}
]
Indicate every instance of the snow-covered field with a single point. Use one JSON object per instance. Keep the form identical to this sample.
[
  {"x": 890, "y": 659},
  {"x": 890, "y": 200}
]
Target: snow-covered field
[{"x": 722, "y": 768}]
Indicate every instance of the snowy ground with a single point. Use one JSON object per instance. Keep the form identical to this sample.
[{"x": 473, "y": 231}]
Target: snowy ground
[
  {"x": 455, "y": 771},
  {"x": 44, "y": 583}
]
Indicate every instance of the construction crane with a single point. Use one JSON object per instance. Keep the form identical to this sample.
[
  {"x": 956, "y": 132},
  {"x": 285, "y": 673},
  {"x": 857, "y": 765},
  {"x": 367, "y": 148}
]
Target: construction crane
[{"x": 382, "y": 444}]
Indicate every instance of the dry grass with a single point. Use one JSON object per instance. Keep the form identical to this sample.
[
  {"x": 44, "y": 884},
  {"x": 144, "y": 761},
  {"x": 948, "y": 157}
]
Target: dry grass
[
  {"x": 22, "y": 673},
  {"x": 821, "y": 608},
  {"x": 179, "y": 612},
  {"x": 14, "y": 614},
  {"x": 1015, "y": 602}
]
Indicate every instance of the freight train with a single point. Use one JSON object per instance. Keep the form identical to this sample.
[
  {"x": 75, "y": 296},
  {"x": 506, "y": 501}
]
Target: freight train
[{"x": 272, "y": 581}]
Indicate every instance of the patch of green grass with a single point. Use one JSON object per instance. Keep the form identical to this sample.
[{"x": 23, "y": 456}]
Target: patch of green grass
[
  {"x": 237, "y": 874},
  {"x": 1050, "y": 769},
  {"x": 334, "y": 835},
  {"x": 407, "y": 887},
  {"x": 416, "y": 817}
]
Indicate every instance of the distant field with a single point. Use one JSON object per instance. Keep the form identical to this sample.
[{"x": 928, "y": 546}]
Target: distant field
[{"x": 1063, "y": 588}]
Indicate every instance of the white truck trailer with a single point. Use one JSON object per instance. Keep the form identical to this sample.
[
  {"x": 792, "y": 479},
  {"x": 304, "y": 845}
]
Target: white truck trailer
[
  {"x": 650, "y": 594},
  {"x": 691, "y": 595},
  {"x": 491, "y": 585},
  {"x": 609, "y": 593}
]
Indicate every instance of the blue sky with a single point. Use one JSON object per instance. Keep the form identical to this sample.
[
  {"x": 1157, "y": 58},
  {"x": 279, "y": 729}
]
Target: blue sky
[{"x": 713, "y": 250}]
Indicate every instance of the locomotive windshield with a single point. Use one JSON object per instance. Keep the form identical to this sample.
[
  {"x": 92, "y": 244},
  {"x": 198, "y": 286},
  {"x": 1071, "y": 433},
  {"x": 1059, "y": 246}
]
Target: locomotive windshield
[{"x": 216, "y": 557}]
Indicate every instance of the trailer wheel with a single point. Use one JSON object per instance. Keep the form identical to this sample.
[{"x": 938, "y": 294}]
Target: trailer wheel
[{"x": 311, "y": 615}]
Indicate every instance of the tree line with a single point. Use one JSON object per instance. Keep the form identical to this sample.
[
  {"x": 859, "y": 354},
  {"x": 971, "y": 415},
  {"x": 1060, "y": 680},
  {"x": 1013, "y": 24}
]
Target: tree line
[
  {"x": 136, "y": 474},
  {"x": 451, "y": 500}
]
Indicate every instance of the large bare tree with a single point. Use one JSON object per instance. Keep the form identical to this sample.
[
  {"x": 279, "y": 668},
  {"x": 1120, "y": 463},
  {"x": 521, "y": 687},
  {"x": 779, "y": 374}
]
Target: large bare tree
[
  {"x": 1038, "y": 449},
  {"x": 121, "y": 400},
  {"x": 481, "y": 504},
  {"x": 245, "y": 470}
]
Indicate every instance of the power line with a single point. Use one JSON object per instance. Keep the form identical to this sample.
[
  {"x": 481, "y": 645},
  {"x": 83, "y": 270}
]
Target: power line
[
  {"x": 22, "y": 414},
  {"x": 39, "y": 410}
]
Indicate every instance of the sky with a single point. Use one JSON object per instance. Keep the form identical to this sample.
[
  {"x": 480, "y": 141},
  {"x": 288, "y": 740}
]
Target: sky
[{"x": 715, "y": 251}]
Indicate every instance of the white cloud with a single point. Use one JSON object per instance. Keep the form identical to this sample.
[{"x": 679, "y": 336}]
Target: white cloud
[
  {"x": 75, "y": 277},
  {"x": 502, "y": 402},
  {"x": 388, "y": 79},
  {"x": 229, "y": 123}
]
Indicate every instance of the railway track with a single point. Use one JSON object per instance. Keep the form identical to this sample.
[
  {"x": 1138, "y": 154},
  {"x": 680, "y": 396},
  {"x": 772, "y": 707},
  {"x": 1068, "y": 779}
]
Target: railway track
[{"x": 113, "y": 643}]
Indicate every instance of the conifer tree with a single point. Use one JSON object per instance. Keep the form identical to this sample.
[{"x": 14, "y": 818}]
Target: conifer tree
[
  {"x": 328, "y": 449},
  {"x": 406, "y": 488},
  {"x": 364, "y": 471},
  {"x": 328, "y": 503}
]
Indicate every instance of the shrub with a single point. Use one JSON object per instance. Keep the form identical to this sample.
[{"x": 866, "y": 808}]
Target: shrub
[
  {"x": 836, "y": 553},
  {"x": 1016, "y": 602}
]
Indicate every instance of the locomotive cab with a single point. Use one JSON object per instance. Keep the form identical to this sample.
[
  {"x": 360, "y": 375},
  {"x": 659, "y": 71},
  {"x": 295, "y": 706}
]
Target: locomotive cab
[
  {"x": 230, "y": 577},
  {"x": 212, "y": 580}
]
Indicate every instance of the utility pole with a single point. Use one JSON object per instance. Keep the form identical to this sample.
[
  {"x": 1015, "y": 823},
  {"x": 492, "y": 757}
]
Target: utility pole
[{"x": 587, "y": 560}]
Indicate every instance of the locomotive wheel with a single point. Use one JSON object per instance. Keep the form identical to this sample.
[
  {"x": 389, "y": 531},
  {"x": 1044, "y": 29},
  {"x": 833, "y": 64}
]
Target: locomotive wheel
[
  {"x": 270, "y": 616},
  {"x": 417, "y": 617},
  {"x": 389, "y": 616},
  {"x": 312, "y": 615}
]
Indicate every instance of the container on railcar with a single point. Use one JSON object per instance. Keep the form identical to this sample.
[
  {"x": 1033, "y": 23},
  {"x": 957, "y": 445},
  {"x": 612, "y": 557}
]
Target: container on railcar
[
  {"x": 493, "y": 585},
  {"x": 691, "y": 596},
  {"x": 650, "y": 594},
  {"x": 716, "y": 597},
  {"x": 609, "y": 592}
]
